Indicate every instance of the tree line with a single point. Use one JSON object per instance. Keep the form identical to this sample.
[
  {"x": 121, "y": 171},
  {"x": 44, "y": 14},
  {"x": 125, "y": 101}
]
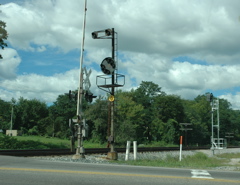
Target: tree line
[{"x": 145, "y": 114}]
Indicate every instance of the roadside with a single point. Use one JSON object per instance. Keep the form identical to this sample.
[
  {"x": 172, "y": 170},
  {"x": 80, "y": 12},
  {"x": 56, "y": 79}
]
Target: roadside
[{"x": 226, "y": 159}]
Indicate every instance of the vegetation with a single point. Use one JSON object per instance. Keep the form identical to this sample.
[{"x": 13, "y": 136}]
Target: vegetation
[
  {"x": 39, "y": 142},
  {"x": 3, "y": 35},
  {"x": 146, "y": 114},
  {"x": 7, "y": 142},
  {"x": 229, "y": 155},
  {"x": 198, "y": 160}
]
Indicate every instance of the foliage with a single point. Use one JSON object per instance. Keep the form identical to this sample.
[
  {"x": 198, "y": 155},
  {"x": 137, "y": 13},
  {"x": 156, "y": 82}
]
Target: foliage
[
  {"x": 145, "y": 114},
  {"x": 5, "y": 115},
  {"x": 128, "y": 116},
  {"x": 97, "y": 114},
  {"x": 7, "y": 142},
  {"x": 3, "y": 35}
]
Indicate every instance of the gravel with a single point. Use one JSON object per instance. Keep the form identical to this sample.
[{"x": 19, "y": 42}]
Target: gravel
[{"x": 101, "y": 159}]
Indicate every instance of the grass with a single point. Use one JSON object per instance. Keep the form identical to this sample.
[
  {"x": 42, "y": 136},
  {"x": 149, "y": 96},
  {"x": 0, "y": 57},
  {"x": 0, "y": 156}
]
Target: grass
[
  {"x": 55, "y": 141},
  {"x": 159, "y": 144},
  {"x": 39, "y": 142},
  {"x": 197, "y": 161},
  {"x": 229, "y": 155},
  {"x": 64, "y": 143}
]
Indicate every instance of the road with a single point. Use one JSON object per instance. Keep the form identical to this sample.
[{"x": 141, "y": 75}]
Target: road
[{"x": 30, "y": 171}]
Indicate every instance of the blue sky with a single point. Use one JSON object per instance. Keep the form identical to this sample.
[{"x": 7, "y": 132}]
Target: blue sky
[{"x": 186, "y": 47}]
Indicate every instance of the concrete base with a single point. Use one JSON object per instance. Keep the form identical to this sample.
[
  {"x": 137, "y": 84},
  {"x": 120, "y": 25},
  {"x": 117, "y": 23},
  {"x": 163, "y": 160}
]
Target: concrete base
[
  {"x": 112, "y": 155},
  {"x": 78, "y": 156}
]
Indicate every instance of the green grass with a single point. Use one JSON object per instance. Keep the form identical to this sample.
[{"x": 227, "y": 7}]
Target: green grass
[
  {"x": 229, "y": 155},
  {"x": 54, "y": 141},
  {"x": 39, "y": 142},
  {"x": 159, "y": 144},
  {"x": 64, "y": 143},
  {"x": 198, "y": 161}
]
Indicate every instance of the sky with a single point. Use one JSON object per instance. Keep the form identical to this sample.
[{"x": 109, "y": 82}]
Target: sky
[{"x": 186, "y": 47}]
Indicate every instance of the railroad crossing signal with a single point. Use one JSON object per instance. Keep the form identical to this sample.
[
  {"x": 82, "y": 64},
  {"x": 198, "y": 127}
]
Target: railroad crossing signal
[
  {"x": 89, "y": 96},
  {"x": 86, "y": 80}
]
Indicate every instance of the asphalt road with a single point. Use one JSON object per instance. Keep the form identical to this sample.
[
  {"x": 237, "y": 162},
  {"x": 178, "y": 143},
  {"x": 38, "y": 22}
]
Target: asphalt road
[{"x": 29, "y": 171}]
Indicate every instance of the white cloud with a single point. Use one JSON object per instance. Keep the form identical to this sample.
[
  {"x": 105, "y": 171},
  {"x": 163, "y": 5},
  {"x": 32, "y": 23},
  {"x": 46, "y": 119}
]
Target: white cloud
[
  {"x": 205, "y": 30},
  {"x": 150, "y": 34},
  {"x": 46, "y": 88},
  {"x": 42, "y": 24},
  {"x": 182, "y": 78},
  {"x": 9, "y": 63},
  {"x": 233, "y": 99}
]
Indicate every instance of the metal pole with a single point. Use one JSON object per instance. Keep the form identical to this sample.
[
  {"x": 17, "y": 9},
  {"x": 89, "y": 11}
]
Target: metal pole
[
  {"x": 212, "y": 127},
  {"x": 180, "y": 155},
  {"x": 112, "y": 103},
  {"x": 80, "y": 150},
  {"x": 218, "y": 121},
  {"x": 112, "y": 154},
  {"x": 11, "y": 121}
]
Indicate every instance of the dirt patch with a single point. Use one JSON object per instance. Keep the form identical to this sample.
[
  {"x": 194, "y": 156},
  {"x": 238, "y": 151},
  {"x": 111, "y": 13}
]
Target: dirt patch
[{"x": 234, "y": 161}]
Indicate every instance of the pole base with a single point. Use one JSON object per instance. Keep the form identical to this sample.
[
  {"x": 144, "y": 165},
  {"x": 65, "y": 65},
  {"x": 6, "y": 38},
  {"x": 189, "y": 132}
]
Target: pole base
[
  {"x": 112, "y": 155},
  {"x": 79, "y": 153},
  {"x": 78, "y": 156}
]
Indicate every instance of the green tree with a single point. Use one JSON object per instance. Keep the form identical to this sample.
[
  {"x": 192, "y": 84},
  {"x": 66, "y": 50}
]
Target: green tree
[
  {"x": 61, "y": 111},
  {"x": 5, "y": 114},
  {"x": 226, "y": 120},
  {"x": 3, "y": 35},
  {"x": 145, "y": 95},
  {"x": 168, "y": 113},
  {"x": 129, "y": 115},
  {"x": 28, "y": 113},
  {"x": 198, "y": 112},
  {"x": 97, "y": 116}
]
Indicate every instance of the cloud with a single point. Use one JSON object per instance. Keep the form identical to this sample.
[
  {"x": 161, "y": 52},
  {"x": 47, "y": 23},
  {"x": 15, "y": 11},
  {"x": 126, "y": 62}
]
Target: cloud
[
  {"x": 150, "y": 35},
  {"x": 205, "y": 30},
  {"x": 182, "y": 78},
  {"x": 9, "y": 63},
  {"x": 46, "y": 88},
  {"x": 42, "y": 23},
  {"x": 234, "y": 99}
]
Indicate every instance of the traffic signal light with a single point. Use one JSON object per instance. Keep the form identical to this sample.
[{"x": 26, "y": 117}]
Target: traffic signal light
[
  {"x": 89, "y": 96},
  {"x": 210, "y": 97},
  {"x": 94, "y": 35},
  {"x": 108, "y": 32},
  {"x": 72, "y": 95}
]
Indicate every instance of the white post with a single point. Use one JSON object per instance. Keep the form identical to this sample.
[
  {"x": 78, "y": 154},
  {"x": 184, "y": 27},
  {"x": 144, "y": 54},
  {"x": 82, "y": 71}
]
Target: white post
[
  {"x": 127, "y": 150},
  {"x": 135, "y": 150},
  {"x": 180, "y": 155}
]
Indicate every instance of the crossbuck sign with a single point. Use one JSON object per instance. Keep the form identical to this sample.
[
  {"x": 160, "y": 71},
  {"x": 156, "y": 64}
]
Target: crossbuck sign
[{"x": 86, "y": 80}]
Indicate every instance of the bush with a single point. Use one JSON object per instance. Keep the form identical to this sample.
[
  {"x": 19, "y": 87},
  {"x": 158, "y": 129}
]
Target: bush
[
  {"x": 33, "y": 131},
  {"x": 7, "y": 142}
]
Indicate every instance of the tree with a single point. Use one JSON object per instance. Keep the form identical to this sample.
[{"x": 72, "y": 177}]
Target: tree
[
  {"x": 198, "y": 112},
  {"x": 3, "y": 35},
  {"x": 145, "y": 95},
  {"x": 97, "y": 116},
  {"x": 168, "y": 113},
  {"x": 129, "y": 115},
  {"x": 5, "y": 115},
  {"x": 28, "y": 113}
]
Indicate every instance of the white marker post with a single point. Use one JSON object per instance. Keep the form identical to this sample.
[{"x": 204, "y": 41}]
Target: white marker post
[
  {"x": 127, "y": 150},
  {"x": 180, "y": 156},
  {"x": 135, "y": 150}
]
